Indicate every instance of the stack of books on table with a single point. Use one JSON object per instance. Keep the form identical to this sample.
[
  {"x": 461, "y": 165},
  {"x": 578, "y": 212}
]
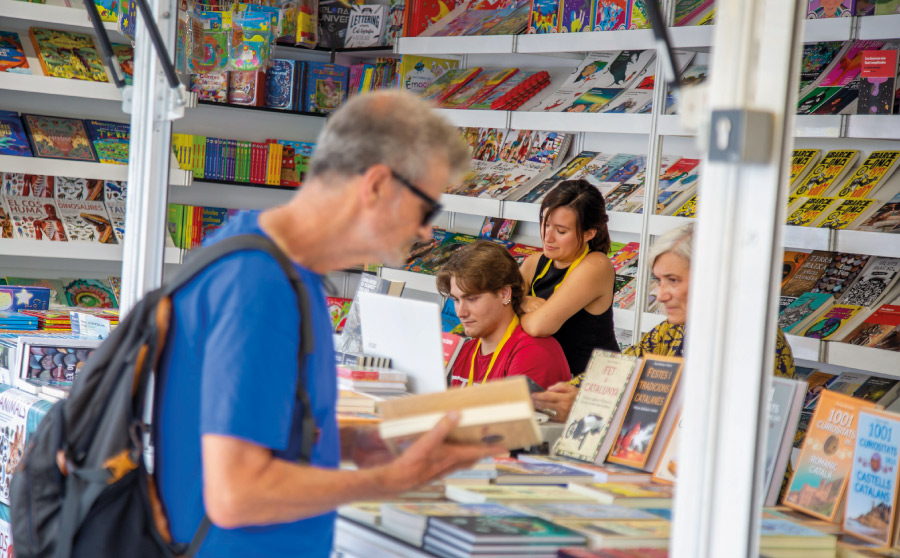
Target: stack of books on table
[{"x": 467, "y": 536}]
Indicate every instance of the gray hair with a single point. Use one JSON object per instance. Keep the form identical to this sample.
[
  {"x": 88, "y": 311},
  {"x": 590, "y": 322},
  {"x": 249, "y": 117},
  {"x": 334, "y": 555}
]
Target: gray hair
[
  {"x": 393, "y": 128},
  {"x": 679, "y": 241}
]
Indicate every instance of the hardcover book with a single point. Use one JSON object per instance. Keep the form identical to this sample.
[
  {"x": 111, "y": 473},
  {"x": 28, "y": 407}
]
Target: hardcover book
[
  {"x": 13, "y": 140},
  {"x": 12, "y": 55},
  {"x": 325, "y": 87},
  {"x": 417, "y": 72},
  {"x": 637, "y": 436},
  {"x": 822, "y": 473},
  {"x": 59, "y": 138},
  {"x": 333, "y": 18},
  {"x": 873, "y": 172},
  {"x": 110, "y": 140},
  {"x": 575, "y": 16},
  {"x": 86, "y": 221},
  {"x": 88, "y": 293},
  {"x": 247, "y": 88},
  {"x": 212, "y": 86},
  {"x": 68, "y": 55},
  {"x": 611, "y": 15},
  {"x": 73, "y": 188},
  {"x": 35, "y": 219},
  {"x": 544, "y": 16},
  {"x": 28, "y": 185},
  {"x": 57, "y": 298},
  {"x": 828, "y": 171},
  {"x": 872, "y": 496},
  {"x": 877, "y": 82},
  {"x": 597, "y": 412}
]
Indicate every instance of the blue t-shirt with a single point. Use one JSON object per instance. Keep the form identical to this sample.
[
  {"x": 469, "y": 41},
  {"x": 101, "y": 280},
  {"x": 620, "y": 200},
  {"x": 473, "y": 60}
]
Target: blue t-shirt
[{"x": 231, "y": 366}]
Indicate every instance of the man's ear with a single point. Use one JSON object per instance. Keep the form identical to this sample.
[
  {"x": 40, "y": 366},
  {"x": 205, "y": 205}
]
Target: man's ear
[{"x": 374, "y": 185}]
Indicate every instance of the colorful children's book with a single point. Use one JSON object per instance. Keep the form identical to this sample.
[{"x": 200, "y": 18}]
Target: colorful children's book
[
  {"x": 575, "y": 16},
  {"x": 125, "y": 56},
  {"x": 68, "y": 55},
  {"x": 820, "y": 478},
  {"x": 417, "y": 72},
  {"x": 612, "y": 15},
  {"x": 687, "y": 11},
  {"x": 871, "y": 175},
  {"x": 544, "y": 16},
  {"x": 88, "y": 293},
  {"x": 13, "y": 140},
  {"x": 86, "y": 221},
  {"x": 35, "y": 218},
  {"x": 12, "y": 55},
  {"x": 59, "y": 138},
  {"x": 820, "y": 9},
  {"x": 28, "y": 185},
  {"x": 110, "y": 140},
  {"x": 212, "y": 86},
  {"x": 325, "y": 87},
  {"x": 448, "y": 84},
  {"x": 281, "y": 84}
]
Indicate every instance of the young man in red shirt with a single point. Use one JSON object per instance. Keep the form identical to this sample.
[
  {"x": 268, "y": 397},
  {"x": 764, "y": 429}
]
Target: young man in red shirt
[{"x": 484, "y": 282}]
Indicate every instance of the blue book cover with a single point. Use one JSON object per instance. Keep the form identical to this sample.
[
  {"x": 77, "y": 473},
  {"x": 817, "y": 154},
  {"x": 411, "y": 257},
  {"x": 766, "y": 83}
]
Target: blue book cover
[
  {"x": 300, "y": 88},
  {"x": 12, "y": 55},
  {"x": 13, "y": 140},
  {"x": 210, "y": 158},
  {"x": 24, "y": 297},
  {"x": 326, "y": 87},
  {"x": 281, "y": 86},
  {"x": 110, "y": 140}
]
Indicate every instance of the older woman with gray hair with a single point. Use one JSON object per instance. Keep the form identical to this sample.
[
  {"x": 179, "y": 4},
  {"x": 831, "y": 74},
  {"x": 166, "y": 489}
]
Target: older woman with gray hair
[{"x": 670, "y": 260}]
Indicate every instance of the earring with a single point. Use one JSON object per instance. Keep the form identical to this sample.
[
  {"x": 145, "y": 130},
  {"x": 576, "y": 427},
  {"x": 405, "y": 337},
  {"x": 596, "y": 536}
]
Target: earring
[{"x": 507, "y": 302}]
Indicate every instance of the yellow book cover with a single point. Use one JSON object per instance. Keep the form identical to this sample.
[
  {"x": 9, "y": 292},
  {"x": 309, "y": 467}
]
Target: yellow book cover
[
  {"x": 823, "y": 469},
  {"x": 829, "y": 170},
  {"x": 806, "y": 210},
  {"x": 67, "y": 55},
  {"x": 802, "y": 161},
  {"x": 417, "y": 72},
  {"x": 633, "y": 490},
  {"x": 689, "y": 209},
  {"x": 846, "y": 213},
  {"x": 273, "y": 175},
  {"x": 828, "y": 325},
  {"x": 874, "y": 171}
]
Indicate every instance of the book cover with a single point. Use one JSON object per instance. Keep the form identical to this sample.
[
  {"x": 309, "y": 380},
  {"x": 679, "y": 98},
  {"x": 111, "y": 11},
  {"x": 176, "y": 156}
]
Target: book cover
[
  {"x": 334, "y": 15},
  {"x": 819, "y": 9},
  {"x": 247, "y": 88},
  {"x": 688, "y": 209},
  {"x": 803, "y": 306},
  {"x": 842, "y": 102},
  {"x": 513, "y": 471},
  {"x": 365, "y": 26},
  {"x": 876, "y": 327},
  {"x": 417, "y": 72},
  {"x": 12, "y": 55},
  {"x": 544, "y": 16},
  {"x": 28, "y": 185},
  {"x": 802, "y": 161},
  {"x": 20, "y": 414},
  {"x": 503, "y": 529},
  {"x": 792, "y": 262},
  {"x": 807, "y": 210},
  {"x": 13, "y": 140},
  {"x": 88, "y": 293},
  {"x": 73, "y": 188},
  {"x": 495, "y": 227},
  {"x": 876, "y": 169},
  {"x": 885, "y": 218},
  {"x": 484, "y": 81},
  {"x": 594, "y": 99},
  {"x": 448, "y": 84},
  {"x": 843, "y": 215},
  {"x": 515, "y": 23},
  {"x": 817, "y": 57},
  {"x": 687, "y": 10},
  {"x": 57, "y": 298},
  {"x": 281, "y": 84},
  {"x": 35, "y": 219},
  {"x": 666, "y": 471},
  {"x": 431, "y": 263},
  {"x": 629, "y": 102},
  {"x": 211, "y": 86},
  {"x": 86, "y": 221},
  {"x": 785, "y": 402},
  {"x": 832, "y": 321},
  {"x": 809, "y": 273},
  {"x": 68, "y": 55},
  {"x": 877, "y": 82},
  {"x": 612, "y": 15},
  {"x": 841, "y": 273},
  {"x": 125, "y": 57},
  {"x": 513, "y": 494},
  {"x": 816, "y": 98},
  {"x": 110, "y": 140},
  {"x": 116, "y": 212},
  {"x": 607, "y": 381},
  {"x": 829, "y": 170},
  {"x": 646, "y": 409},
  {"x": 823, "y": 469},
  {"x": 326, "y": 87},
  {"x": 887, "y": 7},
  {"x": 575, "y": 16},
  {"x": 872, "y": 496},
  {"x": 59, "y": 138},
  {"x": 876, "y": 280},
  {"x": 847, "y": 69}
]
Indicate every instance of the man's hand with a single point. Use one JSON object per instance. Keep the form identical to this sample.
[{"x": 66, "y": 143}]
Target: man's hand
[
  {"x": 558, "y": 398},
  {"x": 431, "y": 458},
  {"x": 367, "y": 449},
  {"x": 532, "y": 303}
]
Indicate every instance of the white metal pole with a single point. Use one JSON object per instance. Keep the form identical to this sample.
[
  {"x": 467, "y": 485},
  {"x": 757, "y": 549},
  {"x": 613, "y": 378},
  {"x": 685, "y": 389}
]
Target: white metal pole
[
  {"x": 730, "y": 339},
  {"x": 152, "y": 106}
]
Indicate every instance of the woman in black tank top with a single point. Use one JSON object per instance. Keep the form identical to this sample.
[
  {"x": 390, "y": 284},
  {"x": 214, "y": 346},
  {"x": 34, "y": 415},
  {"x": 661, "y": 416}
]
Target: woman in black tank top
[{"x": 570, "y": 285}]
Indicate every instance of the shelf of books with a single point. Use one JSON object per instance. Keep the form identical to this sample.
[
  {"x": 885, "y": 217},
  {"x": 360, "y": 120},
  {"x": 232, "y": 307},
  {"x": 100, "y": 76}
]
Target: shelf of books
[
  {"x": 594, "y": 41},
  {"x": 580, "y": 122},
  {"x": 46, "y": 85},
  {"x": 477, "y": 118},
  {"x": 472, "y": 206},
  {"x": 16, "y": 13},
  {"x": 74, "y": 250}
]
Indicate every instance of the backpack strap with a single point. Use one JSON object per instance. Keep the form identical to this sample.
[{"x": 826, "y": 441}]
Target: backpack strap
[{"x": 254, "y": 242}]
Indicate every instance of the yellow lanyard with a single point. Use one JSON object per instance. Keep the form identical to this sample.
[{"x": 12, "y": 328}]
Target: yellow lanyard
[
  {"x": 568, "y": 271},
  {"x": 506, "y": 336}
]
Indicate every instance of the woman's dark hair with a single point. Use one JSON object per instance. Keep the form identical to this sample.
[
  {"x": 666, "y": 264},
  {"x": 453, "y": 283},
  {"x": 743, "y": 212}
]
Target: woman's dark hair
[
  {"x": 589, "y": 207},
  {"x": 480, "y": 268}
]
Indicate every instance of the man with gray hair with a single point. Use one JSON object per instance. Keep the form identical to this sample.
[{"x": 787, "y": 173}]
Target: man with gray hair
[{"x": 229, "y": 431}]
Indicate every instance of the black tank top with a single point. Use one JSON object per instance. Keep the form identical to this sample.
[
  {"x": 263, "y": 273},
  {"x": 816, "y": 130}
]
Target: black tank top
[{"x": 583, "y": 332}]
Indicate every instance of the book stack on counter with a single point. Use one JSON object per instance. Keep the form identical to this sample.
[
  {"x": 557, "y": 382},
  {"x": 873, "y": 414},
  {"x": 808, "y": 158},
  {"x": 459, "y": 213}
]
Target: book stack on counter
[
  {"x": 842, "y": 297},
  {"x": 274, "y": 162}
]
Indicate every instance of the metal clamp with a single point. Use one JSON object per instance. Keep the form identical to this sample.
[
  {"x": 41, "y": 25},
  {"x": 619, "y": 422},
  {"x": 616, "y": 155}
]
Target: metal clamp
[{"x": 741, "y": 136}]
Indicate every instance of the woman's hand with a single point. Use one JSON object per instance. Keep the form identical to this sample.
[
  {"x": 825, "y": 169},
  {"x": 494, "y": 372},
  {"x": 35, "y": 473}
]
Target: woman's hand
[
  {"x": 532, "y": 303},
  {"x": 557, "y": 399}
]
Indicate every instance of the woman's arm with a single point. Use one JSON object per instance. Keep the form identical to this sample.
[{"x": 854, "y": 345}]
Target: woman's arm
[
  {"x": 528, "y": 269},
  {"x": 591, "y": 281}
]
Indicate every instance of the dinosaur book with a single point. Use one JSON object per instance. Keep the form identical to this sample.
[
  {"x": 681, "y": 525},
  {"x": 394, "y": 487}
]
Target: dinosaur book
[{"x": 596, "y": 414}]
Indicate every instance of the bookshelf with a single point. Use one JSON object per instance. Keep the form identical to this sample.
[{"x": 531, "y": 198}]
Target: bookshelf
[
  {"x": 73, "y": 250},
  {"x": 59, "y": 87},
  {"x": 100, "y": 171},
  {"x": 879, "y": 361}
]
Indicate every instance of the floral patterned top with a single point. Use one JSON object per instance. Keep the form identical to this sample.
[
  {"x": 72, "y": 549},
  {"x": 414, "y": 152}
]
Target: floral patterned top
[{"x": 667, "y": 339}]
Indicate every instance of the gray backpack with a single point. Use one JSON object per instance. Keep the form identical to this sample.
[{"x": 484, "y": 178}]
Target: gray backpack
[{"x": 82, "y": 488}]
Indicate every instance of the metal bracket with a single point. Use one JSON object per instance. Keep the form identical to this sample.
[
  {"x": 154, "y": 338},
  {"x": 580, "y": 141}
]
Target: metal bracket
[{"x": 741, "y": 136}]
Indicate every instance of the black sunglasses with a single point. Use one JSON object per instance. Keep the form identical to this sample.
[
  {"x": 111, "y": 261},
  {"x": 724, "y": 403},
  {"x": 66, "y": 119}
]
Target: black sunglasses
[{"x": 433, "y": 207}]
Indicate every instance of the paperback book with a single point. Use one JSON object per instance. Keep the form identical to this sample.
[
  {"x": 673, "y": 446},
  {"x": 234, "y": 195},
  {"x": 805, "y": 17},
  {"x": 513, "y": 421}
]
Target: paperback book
[
  {"x": 86, "y": 221},
  {"x": 35, "y": 219},
  {"x": 878, "y": 78},
  {"x": 827, "y": 172},
  {"x": 872, "y": 174}
]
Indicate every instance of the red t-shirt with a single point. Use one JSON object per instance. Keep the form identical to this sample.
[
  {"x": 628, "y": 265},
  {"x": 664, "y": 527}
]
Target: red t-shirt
[{"x": 540, "y": 358}]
